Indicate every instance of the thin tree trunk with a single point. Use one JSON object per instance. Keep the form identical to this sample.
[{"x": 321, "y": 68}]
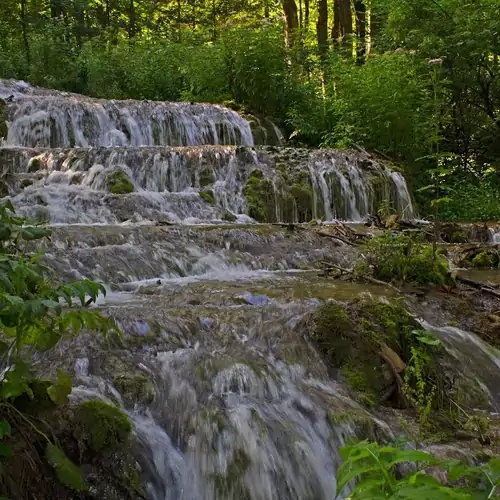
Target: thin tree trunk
[
  {"x": 301, "y": 19},
  {"x": 306, "y": 15},
  {"x": 131, "y": 24},
  {"x": 360, "y": 7},
  {"x": 25, "y": 33},
  {"x": 322, "y": 29},
  {"x": 292, "y": 20}
]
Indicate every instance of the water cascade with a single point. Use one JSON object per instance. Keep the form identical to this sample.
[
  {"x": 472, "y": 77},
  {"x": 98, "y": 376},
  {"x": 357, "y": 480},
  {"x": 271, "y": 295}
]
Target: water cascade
[{"x": 234, "y": 400}]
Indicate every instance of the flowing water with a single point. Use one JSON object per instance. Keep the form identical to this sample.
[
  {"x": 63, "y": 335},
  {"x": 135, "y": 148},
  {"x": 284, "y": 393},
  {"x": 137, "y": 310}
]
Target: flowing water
[{"x": 236, "y": 402}]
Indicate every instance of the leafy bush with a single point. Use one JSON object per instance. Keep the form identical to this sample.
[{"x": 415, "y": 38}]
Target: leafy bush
[
  {"x": 397, "y": 256},
  {"x": 32, "y": 320}
]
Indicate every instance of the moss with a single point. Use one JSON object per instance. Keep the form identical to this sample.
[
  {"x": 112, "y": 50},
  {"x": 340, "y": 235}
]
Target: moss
[
  {"x": 3, "y": 120},
  {"x": 459, "y": 237},
  {"x": 208, "y": 196},
  {"x": 104, "y": 427},
  {"x": 35, "y": 164},
  {"x": 26, "y": 183},
  {"x": 207, "y": 177},
  {"x": 485, "y": 259},
  {"x": 228, "y": 216},
  {"x": 259, "y": 196},
  {"x": 364, "y": 425},
  {"x": 303, "y": 196},
  {"x": 135, "y": 388},
  {"x": 351, "y": 338},
  {"x": 117, "y": 182},
  {"x": 230, "y": 484}
]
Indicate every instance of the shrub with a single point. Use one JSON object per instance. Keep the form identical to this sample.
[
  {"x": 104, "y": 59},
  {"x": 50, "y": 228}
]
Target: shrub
[{"x": 403, "y": 258}]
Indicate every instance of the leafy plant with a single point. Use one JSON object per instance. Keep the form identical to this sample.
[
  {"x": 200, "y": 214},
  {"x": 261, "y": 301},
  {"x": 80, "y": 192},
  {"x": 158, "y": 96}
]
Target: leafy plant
[
  {"x": 370, "y": 471},
  {"x": 404, "y": 258},
  {"x": 33, "y": 320}
]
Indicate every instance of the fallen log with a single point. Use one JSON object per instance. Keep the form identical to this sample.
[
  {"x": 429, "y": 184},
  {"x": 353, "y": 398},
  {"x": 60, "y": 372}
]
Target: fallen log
[{"x": 489, "y": 288}]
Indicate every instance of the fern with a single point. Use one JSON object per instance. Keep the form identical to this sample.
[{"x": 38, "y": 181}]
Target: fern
[{"x": 67, "y": 472}]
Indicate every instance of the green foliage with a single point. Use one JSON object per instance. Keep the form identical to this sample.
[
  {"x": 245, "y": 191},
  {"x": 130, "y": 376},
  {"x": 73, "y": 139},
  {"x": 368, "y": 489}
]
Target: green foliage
[
  {"x": 374, "y": 468},
  {"x": 117, "y": 182},
  {"x": 208, "y": 196},
  {"x": 67, "y": 472},
  {"x": 401, "y": 257},
  {"x": 485, "y": 259},
  {"x": 105, "y": 428},
  {"x": 359, "y": 339},
  {"x": 33, "y": 320}
]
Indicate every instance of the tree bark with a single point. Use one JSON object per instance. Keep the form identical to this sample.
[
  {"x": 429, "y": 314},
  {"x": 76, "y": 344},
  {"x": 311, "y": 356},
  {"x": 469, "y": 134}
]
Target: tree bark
[
  {"x": 342, "y": 20},
  {"x": 360, "y": 7},
  {"x": 25, "y": 32},
  {"x": 131, "y": 23},
  {"x": 322, "y": 29},
  {"x": 292, "y": 20},
  {"x": 306, "y": 15}
]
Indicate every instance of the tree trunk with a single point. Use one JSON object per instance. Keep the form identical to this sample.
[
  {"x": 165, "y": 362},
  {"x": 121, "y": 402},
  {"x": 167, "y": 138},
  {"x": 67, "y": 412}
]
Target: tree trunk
[
  {"x": 322, "y": 29},
  {"x": 131, "y": 23},
  {"x": 306, "y": 15},
  {"x": 342, "y": 20},
  {"x": 25, "y": 33},
  {"x": 360, "y": 7},
  {"x": 292, "y": 20}
]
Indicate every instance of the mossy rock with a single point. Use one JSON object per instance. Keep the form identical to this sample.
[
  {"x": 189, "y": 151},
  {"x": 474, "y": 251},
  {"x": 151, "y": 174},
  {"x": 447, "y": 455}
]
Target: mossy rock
[
  {"x": 117, "y": 182},
  {"x": 228, "y": 216},
  {"x": 35, "y": 164},
  {"x": 26, "y": 183},
  {"x": 486, "y": 258},
  {"x": 459, "y": 237},
  {"x": 135, "y": 388},
  {"x": 104, "y": 427},
  {"x": 352, "y": 338},
  {"x": 479, "y": 257},
  {"x": 260, "y": 197},
  {"x": 208, "y": 196},
  {"x": 207, "y": 177}
]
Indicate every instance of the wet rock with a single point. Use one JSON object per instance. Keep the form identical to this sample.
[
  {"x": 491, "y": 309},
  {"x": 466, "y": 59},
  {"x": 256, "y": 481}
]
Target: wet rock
[{"x": 117, "y": 182}]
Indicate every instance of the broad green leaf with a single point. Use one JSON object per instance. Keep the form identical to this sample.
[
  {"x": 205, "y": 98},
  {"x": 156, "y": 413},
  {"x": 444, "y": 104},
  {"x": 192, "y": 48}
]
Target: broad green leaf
[
  {"x": 67, "y": 472},
  {"x": 5, "y": 428},
  {"x": 412, "y": 456}
]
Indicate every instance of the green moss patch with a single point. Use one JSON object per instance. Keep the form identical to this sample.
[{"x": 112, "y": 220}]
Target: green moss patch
[
  {"x": 208, "y": 196},
  {"x": 354, "y": 337},
  {"x": 135, "y": 388},
  {"x": 117, "y": 182},
  {"x": 260, "y": 198},
  {"x": 104, "y": 427}
]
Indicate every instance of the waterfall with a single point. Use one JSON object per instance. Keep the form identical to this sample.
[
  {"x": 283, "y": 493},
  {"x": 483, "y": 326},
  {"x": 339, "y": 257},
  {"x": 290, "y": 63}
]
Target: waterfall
[{"x": 58, "y": 183}]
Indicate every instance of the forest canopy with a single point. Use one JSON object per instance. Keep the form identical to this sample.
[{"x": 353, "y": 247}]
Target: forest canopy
[{"x": 417, "y": 81}]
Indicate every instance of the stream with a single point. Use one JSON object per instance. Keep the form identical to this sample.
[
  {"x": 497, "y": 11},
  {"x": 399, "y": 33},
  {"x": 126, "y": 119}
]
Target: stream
[{"x": 236, "y": 401}]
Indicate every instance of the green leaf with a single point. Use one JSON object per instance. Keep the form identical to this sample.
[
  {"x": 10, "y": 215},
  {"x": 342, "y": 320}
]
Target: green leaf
[
  {"x": 5, "y": 451},
  {"x": 5, "y": 428},
  {"x": 412, "y": 456},
  {"x": 67, "y": 472},
  {"x": 345, "y": 478},
  {"x": 60, "y": 391}
]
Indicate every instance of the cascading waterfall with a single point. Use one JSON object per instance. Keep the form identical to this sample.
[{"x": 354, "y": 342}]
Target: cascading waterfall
[
  {"x": 341, "y": 187},
  {"x": 240, "y": 405}
]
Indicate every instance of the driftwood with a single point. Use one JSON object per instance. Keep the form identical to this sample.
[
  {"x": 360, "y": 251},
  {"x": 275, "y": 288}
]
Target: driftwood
[
  {"x": 480, "y": 285},
  {"x": 343, "y": 270},
  {"x": 336, "y": 237}
]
